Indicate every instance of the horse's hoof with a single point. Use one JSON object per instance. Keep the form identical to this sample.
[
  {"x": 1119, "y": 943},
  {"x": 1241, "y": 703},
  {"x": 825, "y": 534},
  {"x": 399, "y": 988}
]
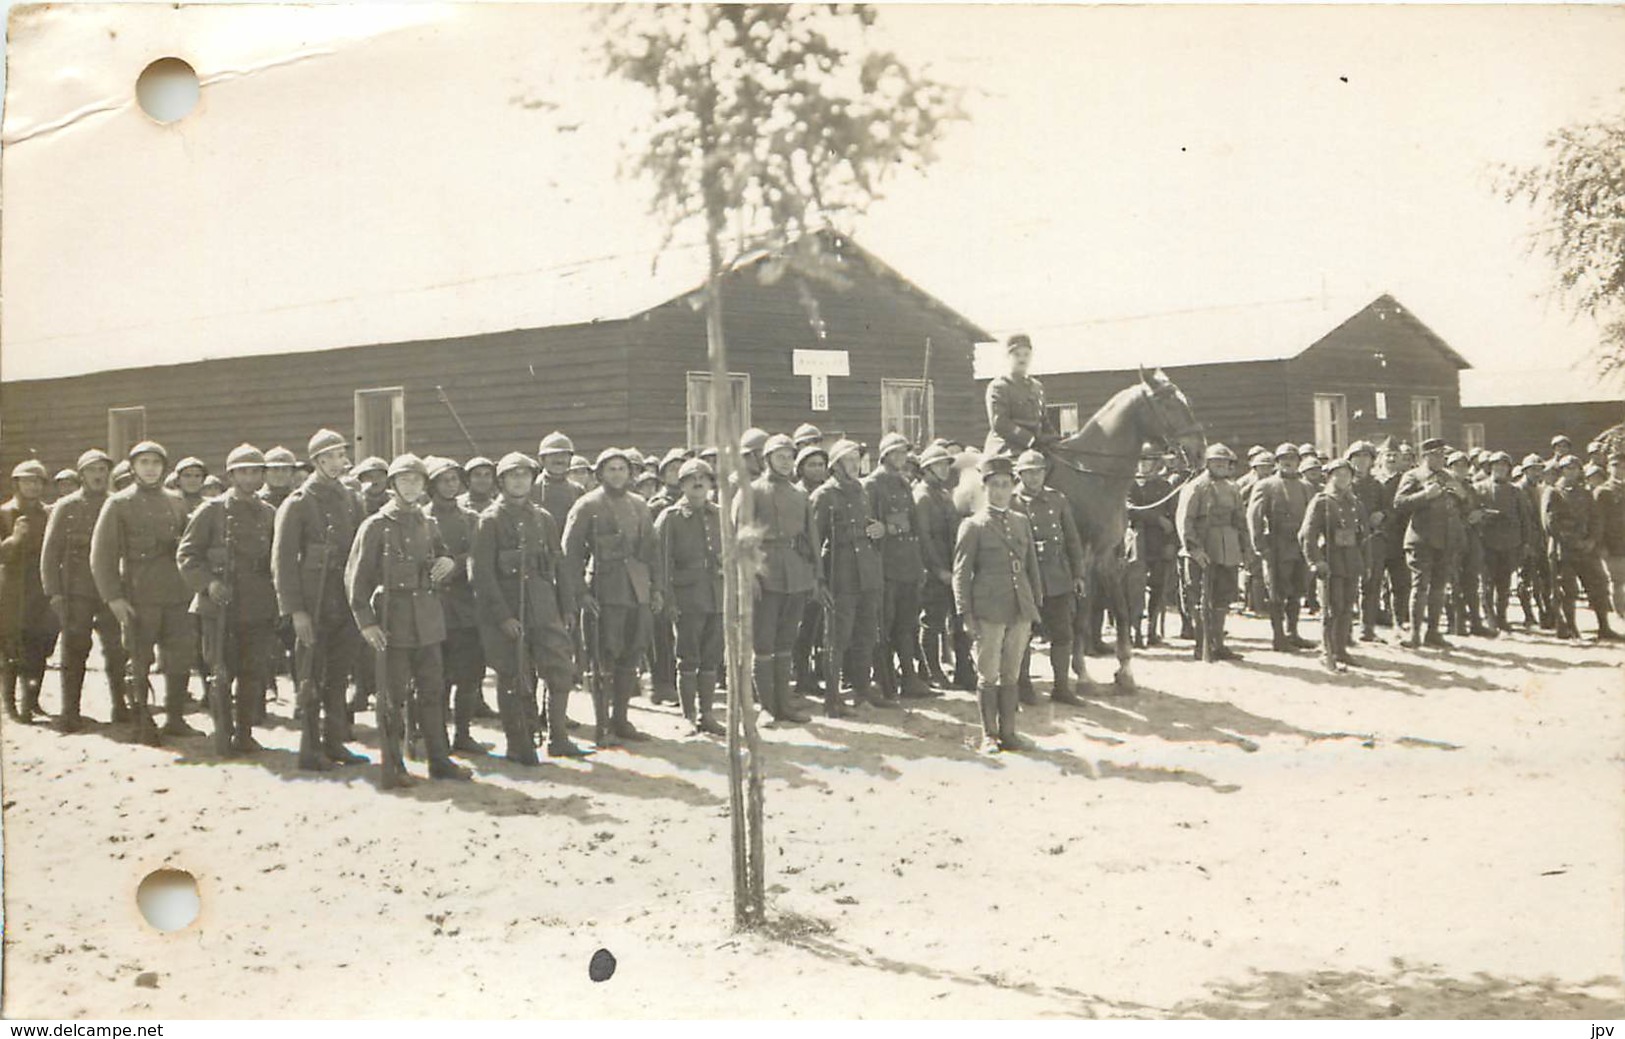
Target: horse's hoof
[{"x": 1125, "y": 682}]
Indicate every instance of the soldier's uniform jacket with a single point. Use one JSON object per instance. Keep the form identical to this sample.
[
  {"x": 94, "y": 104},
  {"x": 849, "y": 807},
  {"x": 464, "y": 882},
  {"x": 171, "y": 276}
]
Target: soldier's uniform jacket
[
  {"x": 132, "y": 548},
  {"x": 274, "y": 496},
  {"x": 937, "y": 521},
  {"x": 1506, "y": 524},
  {"x": 1153, "y": 528},
  {"x": 996, "y": 568},
  {"x": 65, "y": 555},
  {"x": 478, "y": 503},
  {"x": 784, "y": 515},
  {"x": 1610, "y": 497},
  {"x": 1209, "y": 518},
  {"x": 664, "y": 499},
  {"x": 1570, "y": 514},
  {"x": 559, "y": 497},
  {"x": 1334, "y": 532},
  {"x": 1015, "y": 414},
  {"x": 21, "y": 595},
  {"x": 1056, "y": 544},
  {"x": 373, "y": 499},
  {"x": 193, "y": 501},
  {"x": 840, "y": 509},
  {"x": 1396, "y": 518},
  {"x": 392, "y": 555},
  {"x": 691, "y": 545},
  {"x": 509, "y": 535},
  {"x": 202, "y": 556},
  {"x": 457, "y": 535},
  {"x": 1534, "y": 493},
  {"x": 891, "y": 501},
  {"x": 1368, "y": 491},
  {"x": 1431, "y": 523},
  {"x": 617, "y": 533},
  {"x": 1275, "y": 515},
  {"x": 316, "y": 523}
]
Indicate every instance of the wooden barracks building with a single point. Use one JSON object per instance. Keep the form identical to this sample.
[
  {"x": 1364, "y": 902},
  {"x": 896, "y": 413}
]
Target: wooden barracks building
[
  {"x": 626, "y": 365},
  {"x": 1308, "y": 369}
]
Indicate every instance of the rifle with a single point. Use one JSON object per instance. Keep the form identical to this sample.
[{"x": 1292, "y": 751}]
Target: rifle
[
  {"x": 305, "y": 680},
  {"x": 222, "y": 679}
]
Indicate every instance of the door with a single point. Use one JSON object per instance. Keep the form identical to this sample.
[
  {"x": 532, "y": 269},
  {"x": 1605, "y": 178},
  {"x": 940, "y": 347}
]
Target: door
[{"x": 380, "y": 422}]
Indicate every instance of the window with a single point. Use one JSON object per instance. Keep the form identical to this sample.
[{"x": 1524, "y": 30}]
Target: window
[
  {"x": 1424, "y": 419},
  {"x": 1331, "y": 424},
  {"x": 126, "y": 427},
  {"x": 703, "y": 429},
  {"x": 1063, "y": 418},
  {"x": 906, "y": 407},
  {"x": 380, "y": 422},
  {"x": 1472, "y": 433}
]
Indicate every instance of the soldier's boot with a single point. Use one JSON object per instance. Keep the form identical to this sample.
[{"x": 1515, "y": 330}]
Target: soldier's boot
[
  {"x": 465, "y": 697},
  {"x": 626, "y": 684},
  {"x": 784, "y": 697},
  {"x": 8, "y": 679},
  {"x": 987, "y": 699},
  {"x": 910, "y": 682},
  {"x": 336, "y": 728},
  {"x": 73, "y": 684},
  {"x": 1024, "y": 682},
  {"x": 1605, "y": 632},
  {"x": 1278, "y": 637},
  {"x": 521, "y": 744},
  {"x": 220, "y": 713},
  {"x": 1294, "y": 608},
  {"x": 30, "y": 705},
  {"x": 392, "y": 773},
  {"x": 1221, "y": 646},
  {"x": 933, "y": 661},
  {"x": 429, "y": 707},
  {"x": 964, "y": 661},
  {"x": 1009, "y": 739},
  {"x": 885, "y": 672},
  {"x": 559, "y": 744},
  {"x": 175, "y": 723},
  {"x": 688, "y": 683},
  {"x": 118, "y": 691},
  {"x": 1061, "y": 691},
  {"x": 242, "y": 733},
  {"x": 705, "y": 683}
]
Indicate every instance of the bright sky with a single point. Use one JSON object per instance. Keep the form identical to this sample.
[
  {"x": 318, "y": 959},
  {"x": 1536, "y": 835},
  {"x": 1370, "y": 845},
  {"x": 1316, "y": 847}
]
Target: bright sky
[{"x": 425, "y": 170}]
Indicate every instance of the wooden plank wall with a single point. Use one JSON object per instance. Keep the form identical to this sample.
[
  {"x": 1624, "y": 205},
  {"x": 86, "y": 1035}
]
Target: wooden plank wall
[{"x": 1528, "y": 428}]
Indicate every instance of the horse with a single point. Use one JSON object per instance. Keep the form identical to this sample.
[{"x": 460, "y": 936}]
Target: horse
[{"x": 1093, "y": 469}]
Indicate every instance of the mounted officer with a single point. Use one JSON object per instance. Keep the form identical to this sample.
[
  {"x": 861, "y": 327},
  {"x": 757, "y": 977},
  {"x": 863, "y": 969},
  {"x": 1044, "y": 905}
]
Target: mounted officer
[{"x": 1015, "y": 404}]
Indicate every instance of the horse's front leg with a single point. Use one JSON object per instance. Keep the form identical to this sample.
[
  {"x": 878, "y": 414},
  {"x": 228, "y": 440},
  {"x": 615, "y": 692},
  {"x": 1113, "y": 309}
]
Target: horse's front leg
[{"x": 1125, "y": 648}]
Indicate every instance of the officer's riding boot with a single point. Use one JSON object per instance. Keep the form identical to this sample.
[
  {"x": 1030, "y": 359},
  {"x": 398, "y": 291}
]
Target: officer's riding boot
[
  {"x": 1060, "y": 658},
  {"x": 1024, "y": 683},
  {"x": 73, "y": 684},
  {"x": 910, "y": 683},
  {"x": 1008, "y": 737},
  {"x": 834, "y": 705},
  {"x": 886, "y": 673},
  {"x": 705, "y": 685},
  {"x": 783, "y": 695},
  {"x": 964, "y": 661},
  {"x": 626, "y": 684},
  {"x": 175, "y": 723},
  {"x": 1221, "y": 646},
  {"x": 987, "y": 698}
]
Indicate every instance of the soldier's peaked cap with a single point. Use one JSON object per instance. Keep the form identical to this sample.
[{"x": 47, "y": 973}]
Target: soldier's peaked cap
[
  {"x": 843, "y": 449},
  {"x": 609, "y": 454},
  {"x": 891, "y": 442},
  {"x": 245, "y": 456},
  {"x": 1595, "y": 447},
  {"x": 91, "y": 457},
  {"x": 806, "y": 433},
  {"x": 322, "y": 441},
  {"x": 516, "y": 460},
  {"x": 556, "y": 443},
  {"x": 1500, "y": 456},
  {"x": 31, "y": 467},
  {"x": 480, "y": 462},
  {"x": 695, "y": 467},
  {"x": 1017, "y": 341},
  {"x": 996, "y": 465},
  {"x": 1433, "y": 444},
  {"x": 1457, "y": 456},
  {"x": 372, "y": 464},
  {"x": 407, "y": 463},
  {"x": 1568, "y": 460},
  {"x": 437, "y": 464},
  {"x": 1219, "y": 451},
  {"x": 280, "y": 457},
  {"x": 1031, "y": 460},
  {"x": 810, "y": 451},
  {"x": 148, "y": 447}
]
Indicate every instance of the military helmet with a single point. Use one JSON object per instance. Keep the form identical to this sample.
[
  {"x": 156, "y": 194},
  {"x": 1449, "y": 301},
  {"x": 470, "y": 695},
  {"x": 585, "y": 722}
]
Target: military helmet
[
  {"x": 1016, "y": 342},
  {"x": 1592, "y": 469},
  {"x": 1150, "y": 450},
  {"x": 323, "y": 441},
  {"x": 148, "y": 447},
  {"x": 1361, "y": 447},
  {"x": 407, "y": 463},
  {"x": 122, "y": 471},
  {"x": 1306, "y": 449},
  {"x": 244, "y": 456},
  {"x": 634, "y": 457},
  {"x": 1560, "y": 439},
  {"x": 1456, "y": 456},
  {"x": 32, "y": 467},
  {"x": 1532, "y": 459},
  {"x": 191, "y": 462},
  {"x": 555, "y": 443},
  {"x": 437, "y": 464},
  {"x": 480, "y": 462},
  {"x": 646, "y": 476},
  {"x": 280, "y": 457},
  {"x": 696, "y": 467},
  {"x": 609, "y": 454},
  {"x": 1567, "y": 461},
  {"x": 934, "y": 454},
  {"x": 777, "y": 442},
  {"x": 996, "y": 465},
  {"x": 1312, "y": 463},
  {"x": 66, "y": 474},
  {"x": 1594, "y": 448},
  {"x": 1338, "y": 463},
  {"x": 676, "y": 456},
  {"x": 91, "y": 457},
  {"x": 808, "y": 451},
  {"x": 891, "y": 442},
  {"x": 752, "y": 440},
  {"x": 842, "y": 449},
  {"x": 579, "y": 464},
  {"x": 1031, "y": 460},
  {"x": 1220, "y": 452},
  {"x": 807, "y": 433},
  {"x": 709, "y": 453},
  {"x": 1288, "y": 451},
  {"x": 1499, "y": 456},
  {"x": 514, "y": 460},
  {"x": 372, "y": 464}
]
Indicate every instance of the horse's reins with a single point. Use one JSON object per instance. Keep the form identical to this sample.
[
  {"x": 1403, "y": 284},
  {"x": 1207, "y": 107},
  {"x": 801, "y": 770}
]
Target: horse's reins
[{"x": 1169, "y": 437}]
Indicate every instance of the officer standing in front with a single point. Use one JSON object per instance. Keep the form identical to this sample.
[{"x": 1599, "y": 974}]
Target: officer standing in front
[
  {"x": 28, "y": 628},
  {"x": 1059, "y": 552},
  {"x": 1210, "y": 523},
  {"x": 1423, "y": 495},
  {"x": 395, "y": 563},
  {"x": 1273, "y": 520},
  {"x": 1335, "y": 540}
]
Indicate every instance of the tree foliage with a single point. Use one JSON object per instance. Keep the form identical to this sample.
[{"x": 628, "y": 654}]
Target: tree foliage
[
  {"x": 776, "y": 118},
  {"x": 1579, "y": 188}
]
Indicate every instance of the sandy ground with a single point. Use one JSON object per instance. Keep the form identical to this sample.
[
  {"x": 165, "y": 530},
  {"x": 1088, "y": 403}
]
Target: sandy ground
[{"x": 1433, "y": 836}]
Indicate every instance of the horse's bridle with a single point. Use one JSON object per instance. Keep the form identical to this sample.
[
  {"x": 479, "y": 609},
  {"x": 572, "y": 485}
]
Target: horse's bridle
[{"x": 1170, "y": 436}]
